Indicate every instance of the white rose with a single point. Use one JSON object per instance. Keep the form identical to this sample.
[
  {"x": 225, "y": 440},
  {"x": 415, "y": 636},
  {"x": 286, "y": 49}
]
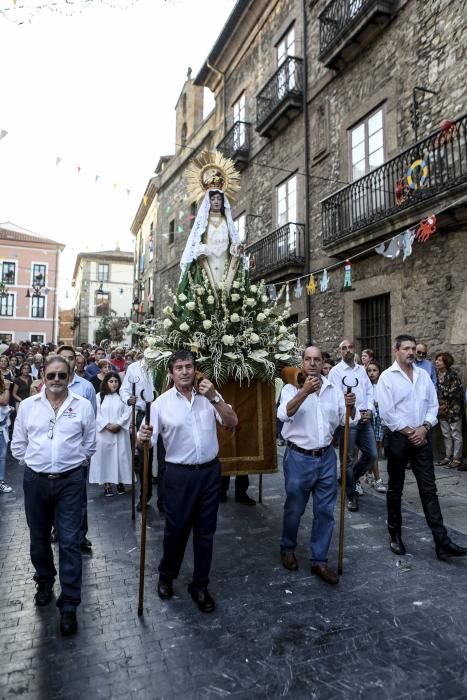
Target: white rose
[
  {"x": 235, "y": 297},
  {"x": 254, "y": 338},
  {"x": 150, "y": 341},
  {"x": 266, "y": 312},
  {"x": 283, "y": 329},
  {"x": 207, "y": 324},
  {"x": 210, "y": 299},
  {"x": 250, "y": 302},
  {"x": 184, "y": 326},
  {"x": 261, "y": 317},
  {"x": 236, "y": 285},
  {"x": 167, "y": 310},
  {"x": 235, "y": 318},
  {"x": 253, "y": 288},
  {"x": 181, "y": 297},
  {"x": 264, "y": 299},
  {"x": 228, "y": 340},
  {"x": 167, "y": 323},
  {"x": 191, "y": 305},
  {"x": 201, "y": 291}
]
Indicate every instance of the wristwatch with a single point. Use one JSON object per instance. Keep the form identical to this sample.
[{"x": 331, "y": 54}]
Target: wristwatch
[
  {"x": 216, "y": 399},
  {"x": 426, "y": 424}
]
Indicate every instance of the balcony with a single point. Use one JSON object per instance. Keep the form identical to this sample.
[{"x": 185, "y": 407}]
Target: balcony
[
  {"x": 426, "y": 176},
  {"x": 281, "y": 99},
  {"x": 279, "y": 255},
  {"x": 347, "y": 25},
  {"x": 236, "y": 144}
]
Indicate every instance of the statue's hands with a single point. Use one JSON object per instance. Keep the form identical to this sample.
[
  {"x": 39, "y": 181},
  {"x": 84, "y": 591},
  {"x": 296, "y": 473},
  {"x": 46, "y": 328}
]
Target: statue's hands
[
  {"x": 236, "y": 249},
  {"x": 202, "y": 250}
]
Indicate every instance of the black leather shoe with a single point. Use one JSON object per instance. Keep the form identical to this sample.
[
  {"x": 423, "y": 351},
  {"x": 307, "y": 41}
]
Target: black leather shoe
[
  {"x": 352, "y": 503},
  {"x": 68, "y": 623},
  {"x": 204, "y": 600},
  {"x": 395, "y": 544},
  {"x": 223, "y": 497},
  {"x": 86, "y": 546},
  {"x": 43, "y": 594},
  {"x": 165, "y": 590},
  {"x": 245, "y": 499},
  {"x": 446, "y": 551}
]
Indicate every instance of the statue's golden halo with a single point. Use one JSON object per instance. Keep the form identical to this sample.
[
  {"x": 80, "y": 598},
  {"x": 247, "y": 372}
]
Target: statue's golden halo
[{"x": 211, "y": 170}]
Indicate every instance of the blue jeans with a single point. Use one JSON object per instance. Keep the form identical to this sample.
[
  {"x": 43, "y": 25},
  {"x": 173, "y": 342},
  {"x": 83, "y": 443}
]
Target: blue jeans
[
  {"x": 3, "y": 446},
  {"x": 305, "y": 475},
  {"x": 55, "y": 500},
  {"x": 361, "y": 435}
]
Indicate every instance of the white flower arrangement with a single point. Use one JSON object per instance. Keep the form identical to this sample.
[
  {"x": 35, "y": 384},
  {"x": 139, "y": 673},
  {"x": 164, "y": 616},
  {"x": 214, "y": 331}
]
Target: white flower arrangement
[{"x": 239, "y": 335}]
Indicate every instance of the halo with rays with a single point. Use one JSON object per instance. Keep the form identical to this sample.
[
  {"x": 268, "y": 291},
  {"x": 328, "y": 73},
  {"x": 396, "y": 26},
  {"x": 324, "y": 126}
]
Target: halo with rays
[{"x": 212, "y": 170}]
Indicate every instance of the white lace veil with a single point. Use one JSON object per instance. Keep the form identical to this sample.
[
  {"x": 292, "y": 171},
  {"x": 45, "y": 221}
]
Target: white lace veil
[{"x": 199, "y": 227}]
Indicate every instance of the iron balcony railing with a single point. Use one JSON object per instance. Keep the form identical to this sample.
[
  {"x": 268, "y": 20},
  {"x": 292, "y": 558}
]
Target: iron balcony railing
[
  {"x": 236, "y": 142},
  {"x": 337, "y": 17},
  {"x": 429, "y": 167},
  {"x": 287, "y": 81},
  {"x": 283, "y": 247}
]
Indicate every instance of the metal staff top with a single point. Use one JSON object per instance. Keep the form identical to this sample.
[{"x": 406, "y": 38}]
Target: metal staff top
[{"x": 349, "y": 387}]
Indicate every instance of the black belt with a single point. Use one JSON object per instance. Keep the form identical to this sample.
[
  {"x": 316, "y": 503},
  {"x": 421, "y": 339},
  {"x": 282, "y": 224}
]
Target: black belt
[
  {"x": 194, "y": 466},
  {"x": 58, "y": 475},
  {"x": 311, "y": 453}
]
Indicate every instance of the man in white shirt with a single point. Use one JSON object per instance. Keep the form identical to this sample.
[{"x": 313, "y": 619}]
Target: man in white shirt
[
  {"x": 36, "y": 367},
  {"x": 54, "y": 435},
  {"x": 81, "y": 387},
  {"x": 310, "y": 415},
  {"x": 139, "y": 375},
  {"x": 186, "y": 420},
  {"x": 408, "y": 407},
  {"x": 361, "y": 433}
]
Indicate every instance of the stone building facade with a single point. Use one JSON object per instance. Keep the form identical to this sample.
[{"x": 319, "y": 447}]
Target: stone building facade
[{"x": 335, "y": 126}]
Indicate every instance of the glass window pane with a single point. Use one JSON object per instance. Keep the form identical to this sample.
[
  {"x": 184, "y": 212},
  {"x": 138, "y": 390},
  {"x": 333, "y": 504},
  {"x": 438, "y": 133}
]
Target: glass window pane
[
  {"x": 358, "y": 135},
  {"x": 358, "y": 170},
  {"x": 375, "y": 142},
  {"x": 376, "y": 159},
  {"x": 358, "y": 153},
  {"x": 375, "y": 122}
]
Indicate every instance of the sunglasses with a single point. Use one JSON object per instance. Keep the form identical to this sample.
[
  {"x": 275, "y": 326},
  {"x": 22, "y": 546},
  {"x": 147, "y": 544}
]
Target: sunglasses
[
  {"x": 50, "y": 432},
  {"x": 52, "y": 375},
  {"x": 420, "y": 352}
]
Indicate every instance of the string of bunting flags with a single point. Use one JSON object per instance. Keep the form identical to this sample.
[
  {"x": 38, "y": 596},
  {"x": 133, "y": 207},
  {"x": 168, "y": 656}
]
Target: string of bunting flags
[{"x": 399, "y": 245}]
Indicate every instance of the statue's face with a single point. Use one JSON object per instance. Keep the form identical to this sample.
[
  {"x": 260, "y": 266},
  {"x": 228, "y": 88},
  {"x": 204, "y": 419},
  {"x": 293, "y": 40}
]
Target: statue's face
[{"x": 216, "y": 202}]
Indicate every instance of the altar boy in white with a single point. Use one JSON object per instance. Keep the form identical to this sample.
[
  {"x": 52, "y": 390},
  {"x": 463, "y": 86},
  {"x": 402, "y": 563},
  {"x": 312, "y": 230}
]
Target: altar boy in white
[{"x": 111, "y": 463}]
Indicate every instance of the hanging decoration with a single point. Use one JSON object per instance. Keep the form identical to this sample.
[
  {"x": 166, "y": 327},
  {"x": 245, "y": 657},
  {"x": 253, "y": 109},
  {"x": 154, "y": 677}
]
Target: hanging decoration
[
  {"x": 347, "y": 276},
  {"x": 272, "y": 292},
  {"x": 421, "y": 168},
  {"x": 426, "y": 228},
  {"x": 448, "y": 130},
  {"x": 311, "y": 286},
  {"x": 393, "y": 249},
  {"x": 324, "y": 281},
  {"x": 145, "y": 200},
  {"x": 408, "y": 238},
  {"x": 287, "y": 294},
  {"x": 402, "y": 191},
  {"x": 297, "y": 292},
  {"x": 3, "y": 133}
]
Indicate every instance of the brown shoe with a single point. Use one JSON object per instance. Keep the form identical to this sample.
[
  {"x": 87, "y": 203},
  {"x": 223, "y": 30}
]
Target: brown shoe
[
  {"x": 325, "y": 573},
  {"x": 462, "y": 467},
  {"x": 289, "y": 560}
]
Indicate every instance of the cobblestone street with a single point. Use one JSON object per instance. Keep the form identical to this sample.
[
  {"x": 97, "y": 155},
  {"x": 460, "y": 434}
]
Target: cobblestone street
[{"x": 390, "y": 629}]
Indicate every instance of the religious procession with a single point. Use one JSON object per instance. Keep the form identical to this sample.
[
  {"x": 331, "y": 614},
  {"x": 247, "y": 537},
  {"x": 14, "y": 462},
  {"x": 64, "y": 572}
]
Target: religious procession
[{"x": 234, "y": 457}]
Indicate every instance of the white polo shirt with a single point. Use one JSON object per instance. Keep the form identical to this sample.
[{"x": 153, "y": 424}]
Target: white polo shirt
[
  {"x": 187, "y": 428},
  {"x": 140, "y": 375},
  {"x": 403, "y": 403},
  {"x": 51, "y": 443},
  {"x": 313, "y": 425},
  {"x": 363, "y": 391}
]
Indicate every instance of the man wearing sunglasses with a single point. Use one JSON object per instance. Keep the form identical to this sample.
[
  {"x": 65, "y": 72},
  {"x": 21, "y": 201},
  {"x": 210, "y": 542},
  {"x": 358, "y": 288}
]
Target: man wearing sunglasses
[
  {"x": 54, "y": 436},
  {"x": 422, "y": 362}
]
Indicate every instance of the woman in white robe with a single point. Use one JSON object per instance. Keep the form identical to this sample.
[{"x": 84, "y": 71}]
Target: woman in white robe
[{"x": 111, "y": 463}]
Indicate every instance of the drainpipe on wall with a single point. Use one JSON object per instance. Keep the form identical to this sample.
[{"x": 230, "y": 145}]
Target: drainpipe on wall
[
  {"x": 306, "y": 135},
  {"x": 222, "y": 75},
  {"x": 55, "y": 311}
]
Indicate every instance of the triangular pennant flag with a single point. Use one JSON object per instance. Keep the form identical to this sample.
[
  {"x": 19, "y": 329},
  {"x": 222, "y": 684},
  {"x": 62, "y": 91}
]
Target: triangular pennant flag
[
  {"x": 298, "y": 289},
  {"x": 78, "y": 168},
  {"x": 3, "y": 133},
  {"x": 97, "y": 178},
  {"x": 347, "y": 275},
  {"x": 58, "y": 160},
  {"x": 287, "y": 295},
  {"x": 128, "y": 192},
  {"x": 114, "y": 186},
  {"x": 179, "y": 229},
  {"x": 311, "y": 286},
  {"x": 324, "y": 281}
]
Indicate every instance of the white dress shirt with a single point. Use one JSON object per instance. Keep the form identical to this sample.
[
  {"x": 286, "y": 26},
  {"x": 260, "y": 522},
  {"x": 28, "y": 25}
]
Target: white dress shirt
[
  {"x": 363, "y": 391},
  {"x": 403, "y": 403},
  {"x": 187, "y": 428},
  {"x": 138, "y": 373},
  {"x": 73, "y": 432},
  {"x": 313, "y": 425}
]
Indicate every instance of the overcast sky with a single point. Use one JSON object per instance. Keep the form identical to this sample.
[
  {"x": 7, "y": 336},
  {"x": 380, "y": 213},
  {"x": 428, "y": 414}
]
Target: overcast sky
[{"x": 98, "y": 90}]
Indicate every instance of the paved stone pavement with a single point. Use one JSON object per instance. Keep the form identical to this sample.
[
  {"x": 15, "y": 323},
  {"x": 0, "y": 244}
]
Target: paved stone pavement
[{"x": 392, "y": 628}]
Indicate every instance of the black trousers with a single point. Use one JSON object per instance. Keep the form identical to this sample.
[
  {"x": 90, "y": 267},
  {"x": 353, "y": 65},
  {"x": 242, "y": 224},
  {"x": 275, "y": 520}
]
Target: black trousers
[
  {"x": 191, "y": 503},
  {"x": 399, "y": 452},
  {"x": 242, "y": 483}
]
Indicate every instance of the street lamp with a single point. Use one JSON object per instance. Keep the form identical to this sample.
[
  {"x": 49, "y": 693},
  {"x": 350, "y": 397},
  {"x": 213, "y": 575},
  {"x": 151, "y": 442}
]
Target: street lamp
[{"x": 37, "y": 287}]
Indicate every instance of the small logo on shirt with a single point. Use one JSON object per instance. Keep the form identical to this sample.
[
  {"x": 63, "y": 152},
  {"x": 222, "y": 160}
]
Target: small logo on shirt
[{"x": 70, "y": 413}]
